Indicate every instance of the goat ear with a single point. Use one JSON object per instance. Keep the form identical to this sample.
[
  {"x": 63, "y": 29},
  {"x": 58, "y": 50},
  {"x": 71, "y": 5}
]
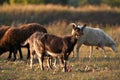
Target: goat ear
[
  {"x": 73, "y": 25},
  {"x": 83, "y": 26}
]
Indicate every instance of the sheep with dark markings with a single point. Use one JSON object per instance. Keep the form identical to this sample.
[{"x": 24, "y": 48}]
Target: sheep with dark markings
[{"x": 47, "y": 44}]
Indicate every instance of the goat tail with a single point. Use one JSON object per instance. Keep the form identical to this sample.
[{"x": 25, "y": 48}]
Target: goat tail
[{"x": 25, "y": 43}]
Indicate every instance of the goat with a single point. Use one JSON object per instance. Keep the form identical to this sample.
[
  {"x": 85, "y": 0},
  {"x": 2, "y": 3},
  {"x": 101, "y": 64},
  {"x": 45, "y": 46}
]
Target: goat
[
  {"x": 15, "y": 36},
  {"x": 43, "y": 44},
  {"x": 95, "y": 37}
]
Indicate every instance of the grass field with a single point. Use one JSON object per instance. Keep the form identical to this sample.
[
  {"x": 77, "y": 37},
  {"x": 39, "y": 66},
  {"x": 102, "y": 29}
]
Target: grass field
[{"x": 96, "y": 68}]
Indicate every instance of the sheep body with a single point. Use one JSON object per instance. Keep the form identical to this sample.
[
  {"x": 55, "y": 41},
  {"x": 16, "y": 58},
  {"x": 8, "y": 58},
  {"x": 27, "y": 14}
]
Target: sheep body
[
  {"x": 15, "y": 36},
  {"x": 44, "y": 43},
  {"x": 95, "y": 37},
  {"x": 3, "y": 29},
  {"x": 54, "y": 46}
]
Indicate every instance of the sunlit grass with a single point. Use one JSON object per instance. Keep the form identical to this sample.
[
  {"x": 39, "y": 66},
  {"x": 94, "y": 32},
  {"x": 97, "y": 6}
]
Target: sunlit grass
[
  {"x": 107, "y": 68},
  {"x": 48, "y": 14},
  {"x": 49, "y": 7}
]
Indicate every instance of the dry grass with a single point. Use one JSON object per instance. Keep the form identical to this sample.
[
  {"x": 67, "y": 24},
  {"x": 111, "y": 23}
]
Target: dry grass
[
  {"x": 46, "y": 14},
  {"x": 50, "y": 7},
  {"x": 97, "y": 68},
  {"x": 57, "y": 19}
]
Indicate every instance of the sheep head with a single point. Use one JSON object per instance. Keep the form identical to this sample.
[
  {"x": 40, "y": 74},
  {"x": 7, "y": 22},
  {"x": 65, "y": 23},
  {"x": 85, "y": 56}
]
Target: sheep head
[
  {"x": 114, "y": 47},
  {"x": 77, "y": 31}
]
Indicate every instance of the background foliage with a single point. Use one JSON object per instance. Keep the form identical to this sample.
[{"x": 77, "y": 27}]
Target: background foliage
[
  {"x": 64, "y": 2},
  {"x": 48, "y": 14}
]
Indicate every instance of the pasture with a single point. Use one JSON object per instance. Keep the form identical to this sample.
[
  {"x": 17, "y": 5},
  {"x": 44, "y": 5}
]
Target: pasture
[{"x": 96, "y": 68}]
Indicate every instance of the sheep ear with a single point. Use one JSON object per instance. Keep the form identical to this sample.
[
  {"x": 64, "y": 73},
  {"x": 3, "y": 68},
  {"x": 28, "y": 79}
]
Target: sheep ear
[
  {"x": 78, "y": 24},
  {"x": 83, "y": 26},
  {"x": 73, "y": 25}
]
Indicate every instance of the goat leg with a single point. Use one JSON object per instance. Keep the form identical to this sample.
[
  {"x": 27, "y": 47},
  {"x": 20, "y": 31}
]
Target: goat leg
[
  {"x": 49, "y": 62},
  {"x": 65, "y": 66}
]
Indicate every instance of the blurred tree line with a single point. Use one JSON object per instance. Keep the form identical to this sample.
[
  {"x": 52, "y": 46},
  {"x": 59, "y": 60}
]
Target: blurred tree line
[{"x": 75, "y": 3}]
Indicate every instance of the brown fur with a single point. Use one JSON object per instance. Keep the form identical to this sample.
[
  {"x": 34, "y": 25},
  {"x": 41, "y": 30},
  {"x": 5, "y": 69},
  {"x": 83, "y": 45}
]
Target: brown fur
[
  {"x": 15, "y": 36},
  {"x": 42, "y": 43},
  {"x": 3, "y": 29}
]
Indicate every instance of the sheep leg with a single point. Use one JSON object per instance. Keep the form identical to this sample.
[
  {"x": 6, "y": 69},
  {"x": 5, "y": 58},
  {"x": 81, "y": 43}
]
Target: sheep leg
[
  {"x": 73, "y": 54},
  {"x": 10, "y": 54},
  {"x": 20, "y": 52},
  {"x": 31, "y": 60},
  {"x": 55, "y": 62},
  {"x": 77, "y": 50},
  {"x": 28, "y": 47},
  {"x": 104, "y": 51},
  {"x": 65, "y": 61},
  {"x": 40, "y": 56},
  {"x": 31, "y": 57},
  {"x": 40, "y": 59},
  {"x": 61, "y": 61},
  {"x": 91, "y": 51},
  {"x": 14, "y": 52},
  {"x": 65, "y": 66},
  {"x": 49, "y": 62}
]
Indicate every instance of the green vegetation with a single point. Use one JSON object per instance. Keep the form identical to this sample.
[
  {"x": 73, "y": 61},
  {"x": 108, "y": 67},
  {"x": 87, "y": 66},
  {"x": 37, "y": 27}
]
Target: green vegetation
[{"x": 75, "y": 3}]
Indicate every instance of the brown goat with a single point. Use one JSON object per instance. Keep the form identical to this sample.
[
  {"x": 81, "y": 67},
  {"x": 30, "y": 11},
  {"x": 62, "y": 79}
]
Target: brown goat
[
  {"x": 47, "y": 44},
  {"x": 15, "y": 36}
]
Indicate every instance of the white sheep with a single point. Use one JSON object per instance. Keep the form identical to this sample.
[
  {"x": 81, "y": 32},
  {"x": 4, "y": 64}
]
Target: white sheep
[{"x": 95, "y": 37}]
